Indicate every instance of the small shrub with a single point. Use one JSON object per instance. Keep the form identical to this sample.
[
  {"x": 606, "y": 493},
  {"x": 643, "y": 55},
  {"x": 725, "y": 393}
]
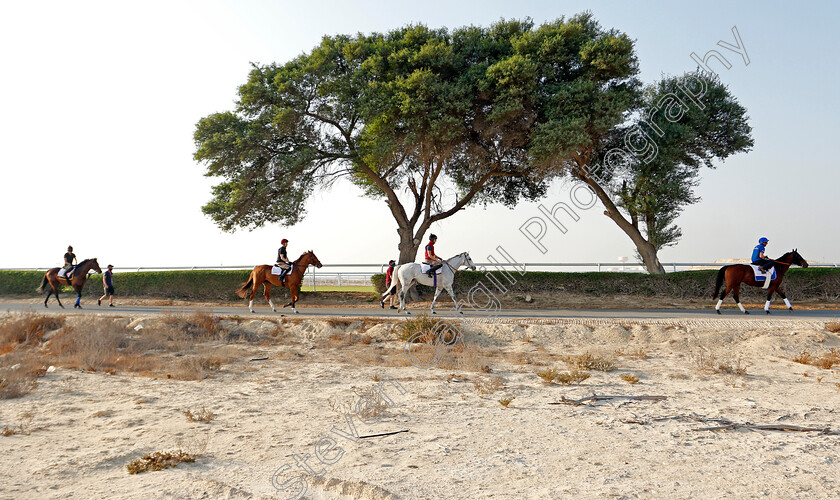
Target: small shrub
[
  {"x": 27, "y": 329},
  {"x": 630, "y": 379},
  {"x": 420, "y": 323},
  {"x": 548, "y": 375},
  {"x": 506, "y": 401},
  {"x": 158, "y": 461},
  {"x": 488, "y": 385},
  {"x": 202, "y": 415},
  {"x": 833, "y": 327},
  {"x": 825, "y": 361},
  {"x": 589, "y": 361},
  {"x": 572, "y": 377}
]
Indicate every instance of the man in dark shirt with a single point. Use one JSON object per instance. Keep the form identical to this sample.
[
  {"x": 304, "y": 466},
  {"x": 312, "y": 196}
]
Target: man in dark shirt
[
  {"x": 69, "y": 259},
  {"x": 108, "y": 284},
  {"x": 283, "y": 260}
]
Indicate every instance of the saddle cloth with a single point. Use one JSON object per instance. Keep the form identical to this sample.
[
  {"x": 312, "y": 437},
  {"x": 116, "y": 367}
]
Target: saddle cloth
[
  {"x": 760, "y": 276},
  {"x": 276, "y": 270},
  {"x": 61, "y": 272},
  {"x": 424, "y": 268}
]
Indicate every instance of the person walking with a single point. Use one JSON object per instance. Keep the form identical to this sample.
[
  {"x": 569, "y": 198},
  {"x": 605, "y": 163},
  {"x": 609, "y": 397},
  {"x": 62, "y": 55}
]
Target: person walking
[
  {"x": 108, "y": 284},
  {"x": 389, "y": 278}
]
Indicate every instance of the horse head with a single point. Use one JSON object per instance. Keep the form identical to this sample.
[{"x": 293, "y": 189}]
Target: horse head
[
  {"x": 312, "y": 259},
  {"x": 468, "y": 261},
  {"x": 94, "y": 264},
  {"x": 797, "y": 259}
]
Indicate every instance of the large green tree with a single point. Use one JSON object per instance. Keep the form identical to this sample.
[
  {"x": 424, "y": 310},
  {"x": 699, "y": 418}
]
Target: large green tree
[{"x": 409, "y": 113}]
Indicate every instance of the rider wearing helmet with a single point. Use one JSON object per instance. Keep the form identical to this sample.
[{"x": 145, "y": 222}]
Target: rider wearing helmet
[
  {"x": 431, "y": 258},
  {"x": 283, "y": 260},
  {"x": 758, "y": 257},
  {"x": 69, "y": 258}
]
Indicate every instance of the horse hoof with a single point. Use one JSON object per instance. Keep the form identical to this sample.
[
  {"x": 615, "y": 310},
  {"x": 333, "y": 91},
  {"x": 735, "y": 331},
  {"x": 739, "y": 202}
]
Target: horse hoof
[
  {"x": 460, "y": 312},
  {"x": 746, "y": 312},
  {"x": 717, "y": 310},
  {"x": 382, "y": 304},
  {"x": 790, "y": 309},
  {"x": 296, "y": 311},
  {"x": 252, "y": 311},
  {"x": 768, "y": 312},
  {"x": 434, "y": 312}
]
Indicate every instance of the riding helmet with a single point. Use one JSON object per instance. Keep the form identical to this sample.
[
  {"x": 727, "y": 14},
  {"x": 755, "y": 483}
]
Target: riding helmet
[
  {"x": 763, "y": 241},
  {"x": 432, "y": 236},
  {"x": 284, "y": 241}
]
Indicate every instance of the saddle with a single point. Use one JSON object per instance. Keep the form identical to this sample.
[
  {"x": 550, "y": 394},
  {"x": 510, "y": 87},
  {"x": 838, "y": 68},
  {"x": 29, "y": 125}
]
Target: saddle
[
  {"x": 762, "y": 276},
  {"x": 277, "y": 270},
  {"x": 424, "y": 268},
  {"x": 63, "y": 273}
]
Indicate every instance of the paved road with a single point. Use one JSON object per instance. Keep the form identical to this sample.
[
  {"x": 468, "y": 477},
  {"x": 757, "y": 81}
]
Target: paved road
[{"x": 667, "y": 316}]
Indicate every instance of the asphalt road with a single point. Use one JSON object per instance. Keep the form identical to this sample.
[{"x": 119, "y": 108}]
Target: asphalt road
[{"x": 505, "y": 315}]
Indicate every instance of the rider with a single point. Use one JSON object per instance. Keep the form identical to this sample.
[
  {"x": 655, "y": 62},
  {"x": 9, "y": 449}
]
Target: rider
[
  {"x": 283, "y": 260},
  {"x": 69, "y": 258},
  {"x": 431, "y": 258},
  {"x": 758, "y": 257}
]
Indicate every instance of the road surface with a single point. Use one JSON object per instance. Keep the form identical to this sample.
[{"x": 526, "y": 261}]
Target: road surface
[{"x": 730, "y": 317}]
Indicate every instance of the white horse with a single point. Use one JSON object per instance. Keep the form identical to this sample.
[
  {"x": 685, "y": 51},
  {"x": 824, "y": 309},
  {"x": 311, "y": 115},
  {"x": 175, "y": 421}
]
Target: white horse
[{"x": 407, "y": 274}]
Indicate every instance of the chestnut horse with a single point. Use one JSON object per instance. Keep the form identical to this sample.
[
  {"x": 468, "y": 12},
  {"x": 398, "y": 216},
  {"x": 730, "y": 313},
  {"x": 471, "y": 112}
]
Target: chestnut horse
[
  {"x": 736, "y": 274},
  {"x": 261, "y": 275},
  {"x": 77, "y": 280}
]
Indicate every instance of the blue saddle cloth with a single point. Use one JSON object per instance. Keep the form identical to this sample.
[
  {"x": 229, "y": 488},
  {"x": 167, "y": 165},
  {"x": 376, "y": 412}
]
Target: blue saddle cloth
[{"x": 760, "y": 276}]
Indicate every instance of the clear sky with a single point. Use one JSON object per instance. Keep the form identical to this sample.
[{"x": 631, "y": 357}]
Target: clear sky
[{"x": 100, "y": 99}]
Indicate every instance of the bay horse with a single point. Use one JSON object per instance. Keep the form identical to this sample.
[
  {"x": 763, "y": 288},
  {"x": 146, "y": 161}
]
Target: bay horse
[
  {"x": 407, "y": 274},
  {"x": 77, "y": 281},
  {"x": 261, "y": 275},
  {"x": 736, "y": 274}
]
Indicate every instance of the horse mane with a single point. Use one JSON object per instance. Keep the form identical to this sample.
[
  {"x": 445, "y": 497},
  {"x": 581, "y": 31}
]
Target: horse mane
[
  {"x": 80, "y": 264},
  {"x": 303, "y": 255}
]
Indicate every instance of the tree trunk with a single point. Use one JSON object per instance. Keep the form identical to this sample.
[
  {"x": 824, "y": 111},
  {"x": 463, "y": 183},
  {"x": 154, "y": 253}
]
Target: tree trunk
[
  {"x": 408, "y": 246},
  {"x": 645, "y": 248}
]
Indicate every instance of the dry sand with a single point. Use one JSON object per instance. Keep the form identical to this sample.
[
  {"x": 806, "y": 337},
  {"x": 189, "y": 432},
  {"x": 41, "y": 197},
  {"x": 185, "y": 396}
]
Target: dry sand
[{"x": 83, "y": 427}]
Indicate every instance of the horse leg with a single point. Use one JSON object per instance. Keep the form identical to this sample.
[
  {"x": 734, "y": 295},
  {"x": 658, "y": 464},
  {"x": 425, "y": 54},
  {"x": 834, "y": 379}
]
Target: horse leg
[
  {"x": 254, "y": 288},
  {"x": 770, "y": 293},
  {"x": 434, "y": 299},
  {"x": 55, "y": 292},
  {"x": 452, "y": 294},
  {"x": 723, "y": 294},
  {"x": 787, "y": 302},
  {"x": 48, "y": 298},
  {"x": 402, "y": 297},
  {"x": 294, "y": 293},
  {"x": 267, "y": 295},
  {"x": 78, "y": 298},
  {"x": 736, "y": 294}
]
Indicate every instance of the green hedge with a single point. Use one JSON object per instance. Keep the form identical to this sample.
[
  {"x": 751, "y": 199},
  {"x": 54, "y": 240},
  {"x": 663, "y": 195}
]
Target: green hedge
[
  {"x": 802, "y": 284},
  {"x": 195, "y": 285}
]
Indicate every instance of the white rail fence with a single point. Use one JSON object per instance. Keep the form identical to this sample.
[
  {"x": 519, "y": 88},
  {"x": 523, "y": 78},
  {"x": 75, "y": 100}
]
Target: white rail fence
[{"x": 347, "y": 275}]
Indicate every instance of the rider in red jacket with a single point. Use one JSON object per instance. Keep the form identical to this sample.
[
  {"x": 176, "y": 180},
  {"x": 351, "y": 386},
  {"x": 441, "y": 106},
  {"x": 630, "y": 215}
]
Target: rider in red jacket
[{"x": 431, "y": 258}]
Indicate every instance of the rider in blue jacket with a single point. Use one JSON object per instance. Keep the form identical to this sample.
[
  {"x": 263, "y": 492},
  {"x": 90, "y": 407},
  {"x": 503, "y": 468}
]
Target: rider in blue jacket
[{"x": 758, "y": 257}]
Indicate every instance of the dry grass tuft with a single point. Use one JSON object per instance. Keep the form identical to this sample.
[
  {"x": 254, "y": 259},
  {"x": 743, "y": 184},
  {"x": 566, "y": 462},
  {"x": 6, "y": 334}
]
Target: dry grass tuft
[
  {"x": 589, "y": 361},
  {"x": 825, "y": 360},
  {"x": 19, "y": 373},
  {"x": 489, "y": 385},
  {"x": 630, "y": 379},
  {"x": 26, "y": 329},
  {"x": 202, "y": 415},
  {"x": 833, "y": 327},
  {"x": 505, "y": 402},
  {"x": 548, "y": 375},
  {"x": 421, "y": 323},
  {"x": 158, "y": 461},
  {"x": 572, "y": 377}
]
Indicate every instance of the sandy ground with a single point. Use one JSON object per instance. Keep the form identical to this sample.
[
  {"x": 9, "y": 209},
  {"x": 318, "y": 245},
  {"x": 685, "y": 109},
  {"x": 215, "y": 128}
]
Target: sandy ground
[{"x": 83, "y": 427}]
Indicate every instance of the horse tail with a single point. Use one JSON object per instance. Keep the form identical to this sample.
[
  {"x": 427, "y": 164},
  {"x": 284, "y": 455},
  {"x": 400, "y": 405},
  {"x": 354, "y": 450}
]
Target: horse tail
[
  {"x": 719, "y": 281},
  {"x": 395, "y": 280},
  {"x": 243, "y": 289},
  {"x": 44, "y": 283}
]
